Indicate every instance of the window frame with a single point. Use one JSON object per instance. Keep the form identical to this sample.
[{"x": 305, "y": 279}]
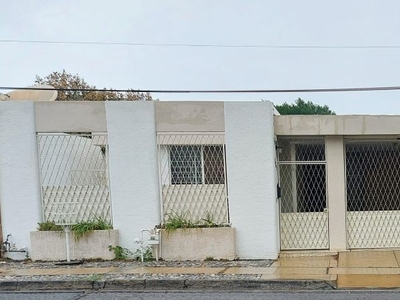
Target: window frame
[{"x": 201, "y": 158}]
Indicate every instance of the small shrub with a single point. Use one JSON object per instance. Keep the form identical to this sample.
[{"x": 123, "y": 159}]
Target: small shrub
[
  {"x": 49, "y": 226},
  {"x": 147, "y": 254},
  {"x": 120, "y": 253}
]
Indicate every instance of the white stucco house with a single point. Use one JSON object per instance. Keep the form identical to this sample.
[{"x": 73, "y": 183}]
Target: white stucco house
[{"x": 285, "y": 183}]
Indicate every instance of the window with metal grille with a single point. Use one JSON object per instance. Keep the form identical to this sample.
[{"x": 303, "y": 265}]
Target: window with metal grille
[
  {"x": 197, "y": 164},
  {"x": 74, "y": 177},
  {"x": 192, "y": 176}
]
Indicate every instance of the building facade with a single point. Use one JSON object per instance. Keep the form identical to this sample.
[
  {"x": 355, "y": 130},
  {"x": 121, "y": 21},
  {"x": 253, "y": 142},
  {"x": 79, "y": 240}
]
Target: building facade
[
  {"x": 136, "y": 163},
  {"x": 285, "y": 183}
]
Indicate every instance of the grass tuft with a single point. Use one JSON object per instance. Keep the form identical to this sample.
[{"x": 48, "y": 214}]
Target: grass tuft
[
  {"x": 86, "y": 227},
  {"x": 49, "y": 226}
]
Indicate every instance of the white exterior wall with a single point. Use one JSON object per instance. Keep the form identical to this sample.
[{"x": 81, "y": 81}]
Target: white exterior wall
[
  {"x": 251, "y": 176},
  {"x": 19, "y": 174},
  {"x": 133, "y": 168},
  {"x": 303, "y": 125},
  {"x": 336, "y": 192}
]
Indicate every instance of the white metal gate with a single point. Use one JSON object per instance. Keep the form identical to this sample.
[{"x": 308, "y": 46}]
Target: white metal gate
[
  {"x": 302, "y": 177},
  {"x": 373, "y": 194}
]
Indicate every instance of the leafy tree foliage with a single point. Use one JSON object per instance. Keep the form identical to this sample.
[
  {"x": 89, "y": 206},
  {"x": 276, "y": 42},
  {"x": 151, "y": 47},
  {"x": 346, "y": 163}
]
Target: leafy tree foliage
[
  {"x": 300, "y": 107},
  {"x": 64, "y": 80}
]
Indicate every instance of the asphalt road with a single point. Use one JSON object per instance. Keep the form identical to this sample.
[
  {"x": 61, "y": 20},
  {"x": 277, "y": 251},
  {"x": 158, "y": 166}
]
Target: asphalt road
[{"x": 248, "y": 295}]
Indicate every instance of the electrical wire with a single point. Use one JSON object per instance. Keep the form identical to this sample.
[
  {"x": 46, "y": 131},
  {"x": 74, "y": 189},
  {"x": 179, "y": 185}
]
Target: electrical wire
[
  {"x": 201, "y": 45},
  {"x": 316, "y": 90}
]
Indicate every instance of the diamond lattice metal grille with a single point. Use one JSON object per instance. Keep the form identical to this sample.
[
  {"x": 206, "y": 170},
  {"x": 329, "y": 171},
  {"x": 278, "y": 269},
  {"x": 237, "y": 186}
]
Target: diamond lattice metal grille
[
  {"x": 302, "y": 176},
  {"x": 373, "y": 194},
  {"x": 74, "y": 177},
  {"x": 193, "y": 177}
]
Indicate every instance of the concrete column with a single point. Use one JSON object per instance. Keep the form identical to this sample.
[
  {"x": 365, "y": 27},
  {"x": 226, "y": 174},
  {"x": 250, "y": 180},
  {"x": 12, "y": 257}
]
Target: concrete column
[
  {"x": 251, "y": 178},
  {"x": 19, "y": 173},
  {"x": 133, "y": 168},
  {"x": 336, "y": 192}
]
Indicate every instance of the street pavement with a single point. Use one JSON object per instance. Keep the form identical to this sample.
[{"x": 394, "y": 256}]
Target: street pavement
[{"x": 203, "y": 295}]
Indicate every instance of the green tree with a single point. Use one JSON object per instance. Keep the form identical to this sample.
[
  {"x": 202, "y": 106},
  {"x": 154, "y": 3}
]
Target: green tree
[
  {"x": 64, "y": 80},
  {"x": 300, "y": 107}
]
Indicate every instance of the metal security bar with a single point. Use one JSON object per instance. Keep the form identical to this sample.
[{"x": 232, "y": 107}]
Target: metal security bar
[
  {"x": 302, "y": 176},
  {"x": 74, "y": 177},
  {"x": 193, "y": 176},
  {"x": 373, "y": 194}
]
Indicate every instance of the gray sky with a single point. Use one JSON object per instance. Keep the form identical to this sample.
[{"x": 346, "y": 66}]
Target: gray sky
[{"x": 228, "y": 22}]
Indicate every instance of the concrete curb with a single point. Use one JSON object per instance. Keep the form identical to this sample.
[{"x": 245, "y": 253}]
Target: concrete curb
[{"x": 167, "y": 284}]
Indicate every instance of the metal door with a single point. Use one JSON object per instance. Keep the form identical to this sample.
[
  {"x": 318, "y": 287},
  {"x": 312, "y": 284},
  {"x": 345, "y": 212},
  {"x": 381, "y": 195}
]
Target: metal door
[
  {"x": 303, "y": 203},
  {"x": 373, "y": 194}
]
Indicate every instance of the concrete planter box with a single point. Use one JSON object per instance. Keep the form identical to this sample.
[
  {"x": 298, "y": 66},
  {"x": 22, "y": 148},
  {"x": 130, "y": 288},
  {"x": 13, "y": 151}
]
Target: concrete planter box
[
  {"x": 50, "y": 245},
  {"x": 198, "y": 244}
]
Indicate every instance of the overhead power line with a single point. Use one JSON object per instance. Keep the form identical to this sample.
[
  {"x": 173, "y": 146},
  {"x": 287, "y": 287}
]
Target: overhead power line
[
  {"x": 317, "y": 90},
  {"x": 16, "y": 41}
]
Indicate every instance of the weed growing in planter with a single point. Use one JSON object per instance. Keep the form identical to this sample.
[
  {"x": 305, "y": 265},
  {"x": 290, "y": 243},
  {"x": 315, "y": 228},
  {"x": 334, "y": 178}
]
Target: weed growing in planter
[
  {"x": 120, "y": 253},
  {"x": 180, "y": 221},
  {"x": 176, "y": 221},
  {"x": 208, "y": 221},
  {"x": 80, "y": 229},
  {"x": 86, "y": 227},
  {"x": 49, "y": 226}
]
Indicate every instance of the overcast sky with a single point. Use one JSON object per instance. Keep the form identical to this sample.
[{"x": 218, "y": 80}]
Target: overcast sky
[{"x": 212, "y": 22}]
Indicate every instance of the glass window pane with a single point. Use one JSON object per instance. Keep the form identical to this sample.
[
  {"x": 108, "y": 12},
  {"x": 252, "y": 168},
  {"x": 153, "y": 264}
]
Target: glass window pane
[
  {"x": 214, "y": 171},
  {"x": 186, "y": 165}
]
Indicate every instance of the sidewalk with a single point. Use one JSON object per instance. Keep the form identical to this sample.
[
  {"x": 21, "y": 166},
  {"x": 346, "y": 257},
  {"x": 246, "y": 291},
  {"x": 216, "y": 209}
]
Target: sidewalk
[
  {"x": 355, "y": 269},
  {"x": 352, "y": 269}
]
